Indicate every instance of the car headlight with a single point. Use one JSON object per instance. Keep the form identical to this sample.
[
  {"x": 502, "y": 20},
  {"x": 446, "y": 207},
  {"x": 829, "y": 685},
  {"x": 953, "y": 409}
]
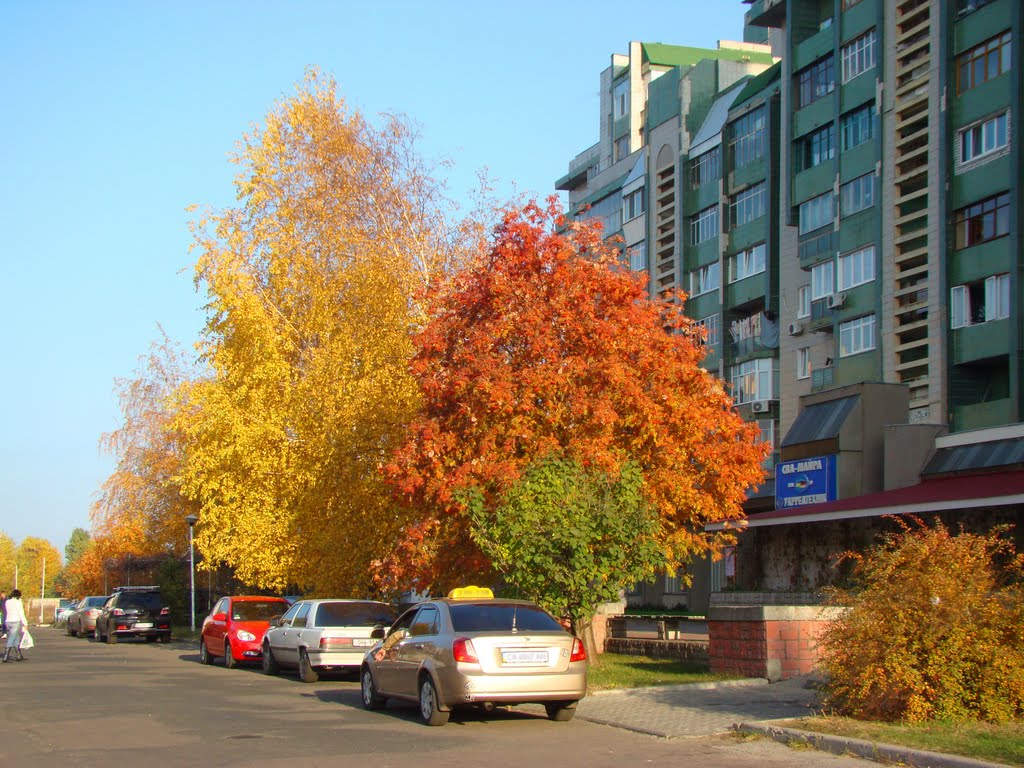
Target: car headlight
[{"x": 246, "y": 636}]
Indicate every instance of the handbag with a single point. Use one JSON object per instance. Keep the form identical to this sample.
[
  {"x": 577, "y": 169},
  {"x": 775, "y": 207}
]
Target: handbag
[{"x": 26, "y": 641}]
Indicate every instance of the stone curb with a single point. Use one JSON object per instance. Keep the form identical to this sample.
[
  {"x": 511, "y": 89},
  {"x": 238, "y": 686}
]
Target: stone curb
[
  {"x": 885, "y": 753},
  {"x": 683, "y": 687}
]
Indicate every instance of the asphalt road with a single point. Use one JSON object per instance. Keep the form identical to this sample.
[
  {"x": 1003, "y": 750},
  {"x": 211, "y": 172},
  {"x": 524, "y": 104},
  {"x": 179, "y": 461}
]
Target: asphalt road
[{"x": 75, "y": 702}]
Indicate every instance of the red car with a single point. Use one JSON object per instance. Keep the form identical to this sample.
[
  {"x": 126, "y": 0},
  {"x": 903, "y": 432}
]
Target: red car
[{"x": 235, "y": 628}]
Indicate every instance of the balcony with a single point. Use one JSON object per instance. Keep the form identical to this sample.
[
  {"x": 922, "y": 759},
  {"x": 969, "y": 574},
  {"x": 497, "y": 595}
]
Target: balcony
[{"x": 822, "y": 378}]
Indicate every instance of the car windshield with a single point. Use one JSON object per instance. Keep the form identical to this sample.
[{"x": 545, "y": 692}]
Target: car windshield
[
  {"x": 498, "y": 617},
  {"x": 354, "y": 614},
  {"x": 252, "y": 610},
  {"x": 94, "y": 602},
  {"x": 147, "y": 601}
]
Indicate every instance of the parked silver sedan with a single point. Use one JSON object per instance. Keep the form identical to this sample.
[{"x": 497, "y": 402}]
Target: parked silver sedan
[
  {"x": 317, "y": 636},
  {"x": 473, "y": 650},
  {"x": 82, "y": 620}
]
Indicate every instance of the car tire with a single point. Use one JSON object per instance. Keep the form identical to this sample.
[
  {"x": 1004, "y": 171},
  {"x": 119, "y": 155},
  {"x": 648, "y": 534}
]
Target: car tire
[
  {"x": 430, "y": 709},
  {"x": 371, "y": 699},
  {"x": 229, "y": 656},
  {"x": 204, "y": 652},
  {"x": 306, "y": 671},
  {"x": 561, "y": 712},
  {"x": 67, "y": 629},
  {"x": 270, "y": 666}
]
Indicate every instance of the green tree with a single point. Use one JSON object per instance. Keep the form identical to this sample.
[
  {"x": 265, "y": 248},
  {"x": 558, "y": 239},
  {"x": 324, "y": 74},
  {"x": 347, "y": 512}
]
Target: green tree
[
  {"x": 76, "y": 546},
  {"x": 570, "y": 538}
]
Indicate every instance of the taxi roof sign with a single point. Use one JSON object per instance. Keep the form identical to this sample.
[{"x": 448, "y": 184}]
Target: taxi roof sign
[{"x": 470, "y": 593}]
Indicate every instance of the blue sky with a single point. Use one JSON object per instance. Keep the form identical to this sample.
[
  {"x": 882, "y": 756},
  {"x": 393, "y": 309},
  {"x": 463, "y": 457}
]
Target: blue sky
[{"x": 120, "y": 115}]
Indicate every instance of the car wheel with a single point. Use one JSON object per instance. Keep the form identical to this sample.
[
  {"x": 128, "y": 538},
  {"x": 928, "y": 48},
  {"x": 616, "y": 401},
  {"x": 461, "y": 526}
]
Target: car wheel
[
  {"x": 430, "y": 710},
  {"x": 306, "y": 671},
  {"x": 204, "y": 652},
  {"x": 67, "y": 629},
  {"x": 371, "y": 699},
  {"x": 229, "y": 656},
  {"x": 561, "y": 712},
  {"x": 270, "y": 666}
]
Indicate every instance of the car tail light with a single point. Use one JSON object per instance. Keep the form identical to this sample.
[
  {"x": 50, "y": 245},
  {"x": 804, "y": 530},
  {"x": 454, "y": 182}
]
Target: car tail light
[
  {"x": 463, "y": 650},
  {"x": 326, "y": 643},
  {"x": 165, "y": 611},
  {"x": 121, "y": 626},
  {"x": 579, "y": 653},
  {"x": 118, "y": 612}
]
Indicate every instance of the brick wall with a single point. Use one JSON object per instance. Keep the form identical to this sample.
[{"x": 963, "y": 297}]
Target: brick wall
[{"x": 658, "y": 649}]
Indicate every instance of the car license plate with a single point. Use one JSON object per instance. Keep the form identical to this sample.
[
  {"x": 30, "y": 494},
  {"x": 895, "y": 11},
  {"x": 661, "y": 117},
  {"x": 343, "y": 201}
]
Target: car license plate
[
  {"x": 143, "y": 625},
  {"x": 363, "y": 642},
  {"x": 524, "y": 657}
]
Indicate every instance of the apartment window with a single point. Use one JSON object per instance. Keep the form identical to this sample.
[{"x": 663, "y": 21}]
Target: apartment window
[
  {"x": 963, "y": 6},
  {"x": 856, "y": 195},
  {"x": 980, "y": 302},
  {"x": 638, "y": 256},
  {"x": 705, "y": 279},
  {"x": 803, "y": 363},
  {"x": 747, "y": 263},
  {"x": 752, "y": 380},
  {"x": 704, "y": 225},
  {"x": 803, "y": 301},
  {"x": 817, "y": 212},
  {"x": 847, "y": 4},
  {"x": 815, "y": 82},
  {"x": 984, "y": 138},
  {"x": 859, "y": 55},
  {"x": 747, "y": 138},
  {"x": 822, "y": 280},
  {"x": 983, "y": 62},
  {"x": 621, "y": 148},
  {"x": 856, "y": 268},
  {"x": 747, "y": 205},
  {"x": 815, "y": 148},
  {"x": 857, "y": 336},
  {"x": 985, "y": 220},
  {"x": 620, "y": 99},
  {"x": 705, "y": 168},
  {"x": 712, "y": 330},
  {"x": 609, "y": 210},
  {"x": 857, "y": 127},
  {"x": 633, "y": 204}
]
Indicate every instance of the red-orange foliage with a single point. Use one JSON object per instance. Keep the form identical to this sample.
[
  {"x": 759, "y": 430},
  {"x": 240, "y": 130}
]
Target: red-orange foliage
[{"x": 547, "y": 344}]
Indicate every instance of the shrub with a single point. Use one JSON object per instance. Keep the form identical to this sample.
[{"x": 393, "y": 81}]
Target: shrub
[{"x": 934, "y": 629}]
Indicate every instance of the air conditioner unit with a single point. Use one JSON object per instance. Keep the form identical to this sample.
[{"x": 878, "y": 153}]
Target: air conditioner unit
[
  {"x": 836, "y": 300},
  {"x": 795, "y": 329},
  {"x": 759, "y": 406}
]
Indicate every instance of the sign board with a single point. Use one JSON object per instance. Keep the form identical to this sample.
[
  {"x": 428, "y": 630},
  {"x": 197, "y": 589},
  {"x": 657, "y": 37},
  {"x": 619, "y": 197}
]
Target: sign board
[{"x": 805, "y": 481}]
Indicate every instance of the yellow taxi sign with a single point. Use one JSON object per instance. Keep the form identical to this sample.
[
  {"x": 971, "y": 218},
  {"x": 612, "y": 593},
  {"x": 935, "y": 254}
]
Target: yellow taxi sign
[{"x": 470, "y": 593}]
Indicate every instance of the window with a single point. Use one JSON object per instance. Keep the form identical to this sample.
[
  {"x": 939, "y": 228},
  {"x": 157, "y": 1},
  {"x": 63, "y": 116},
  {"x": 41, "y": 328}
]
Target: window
[
  {"x": 803, "y": 363},
  {"x": 752, "y": 380},
  {"x": 621, "y": 148},
  {"x": 985, "y": 220},
  {"x": 712, "y": 330},
  {"x": 983, "y": 62},
  {"x": 705, "y": 279},
  {"x": 426, "y": 621},
  {"x": 856, "y": 268},
  {"x": 847, "y": 4},
  {"x": 984, "y": 138},
  {"x": 817, "y": 213},
  {"x": 747, "y": 263},
  {"x": 857, "y": 336},
  {"x": 857, "y": 127},
  {"x": 859, "y": 55},
  {"x": 747, "y": 138},
  {"x": 747, "y": 205},
  {"x": 803, "y": 301},
  {"x": 609, "y": 210},
  {"x": 815, "y": 81},
  {"x": 705, "y": 168},
  {"x": 704, "y": 225},
  {"x": 300, "y": 617},
  {"x": 964, "y": 6},
  {"x": 822, "y": 280},
  {"x": 638, "y": 256},
  {"x": 815, "y": 148},
  {"x": 620, "y": 99},
  {"x": 980, "y": 302},
  {"x": 857, "y": 195},
  {"x": 633, "y": 204}
]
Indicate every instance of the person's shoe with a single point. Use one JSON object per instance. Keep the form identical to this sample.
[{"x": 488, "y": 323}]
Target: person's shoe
[{"x": 7, "y": 656}]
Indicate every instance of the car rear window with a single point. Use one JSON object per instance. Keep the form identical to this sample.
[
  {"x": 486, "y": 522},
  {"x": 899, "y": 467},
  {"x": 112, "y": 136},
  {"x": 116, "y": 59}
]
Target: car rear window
[
  {"x": 499, "y": 617},
  {"x": 147, "y": 601},
  {"x": 354, "y": 614},
  {"x": 92, "y": 602},
  {"x": 251, "y": 610}
]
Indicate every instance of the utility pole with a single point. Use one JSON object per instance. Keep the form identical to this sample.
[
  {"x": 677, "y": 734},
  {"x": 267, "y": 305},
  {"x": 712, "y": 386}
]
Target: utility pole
[{"x": 42, "y": 592}]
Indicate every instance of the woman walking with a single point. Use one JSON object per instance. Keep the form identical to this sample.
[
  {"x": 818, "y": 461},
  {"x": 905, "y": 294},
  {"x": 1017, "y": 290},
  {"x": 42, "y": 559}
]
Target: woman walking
[{"x": 16, "y": 623}]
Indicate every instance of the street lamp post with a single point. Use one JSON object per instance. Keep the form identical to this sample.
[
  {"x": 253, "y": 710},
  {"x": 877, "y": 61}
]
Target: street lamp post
[{"x": 192, "y": 520}]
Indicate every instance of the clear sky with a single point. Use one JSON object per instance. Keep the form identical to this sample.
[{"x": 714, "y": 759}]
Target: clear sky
[{"x": 118, "y": 115}]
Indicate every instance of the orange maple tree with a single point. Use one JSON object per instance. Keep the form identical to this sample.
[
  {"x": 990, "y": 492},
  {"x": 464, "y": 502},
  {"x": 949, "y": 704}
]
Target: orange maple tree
[{"x": 544, "y": 345}]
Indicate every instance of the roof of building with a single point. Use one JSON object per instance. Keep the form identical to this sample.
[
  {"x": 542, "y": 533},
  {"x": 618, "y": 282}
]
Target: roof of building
[
  {"x": 820, "y": 421},
  {"x": 758, "y": 83},
  {"x": 660, "y": 54},
  {"x": 710, "y": 133},
  {"x": 974, "y": 456}
]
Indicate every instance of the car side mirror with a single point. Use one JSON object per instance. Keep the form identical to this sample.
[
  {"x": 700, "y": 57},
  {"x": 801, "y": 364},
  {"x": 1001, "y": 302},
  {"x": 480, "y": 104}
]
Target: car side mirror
[
  {"x": 377, "y": 633},
  {"x": 219, "y": 617}
]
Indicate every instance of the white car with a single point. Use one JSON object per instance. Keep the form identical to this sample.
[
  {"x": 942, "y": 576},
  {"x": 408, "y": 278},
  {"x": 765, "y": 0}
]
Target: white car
[{"x": 317, "y": 636}]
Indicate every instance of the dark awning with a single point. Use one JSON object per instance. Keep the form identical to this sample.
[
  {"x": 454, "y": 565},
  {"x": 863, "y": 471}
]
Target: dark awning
[
  {"x": 820, "y": 421},
  {"x": 958, "y": 458}
]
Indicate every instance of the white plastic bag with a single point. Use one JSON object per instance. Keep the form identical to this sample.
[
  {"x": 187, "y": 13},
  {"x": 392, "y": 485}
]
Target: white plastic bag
[{"x": 26, "y": 640}]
